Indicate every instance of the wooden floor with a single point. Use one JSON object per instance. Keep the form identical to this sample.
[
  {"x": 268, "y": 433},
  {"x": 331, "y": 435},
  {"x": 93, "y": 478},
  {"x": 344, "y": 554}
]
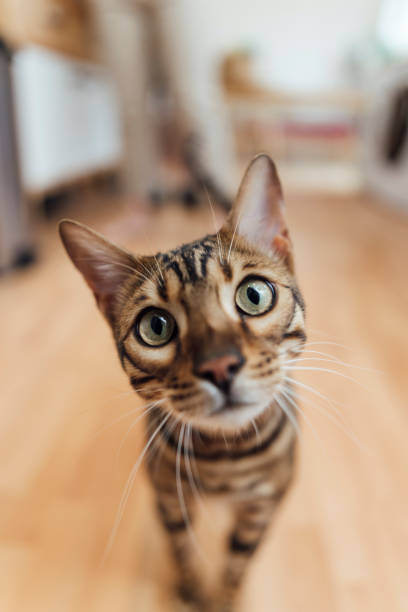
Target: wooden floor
[{"x": 341, "y": 542}]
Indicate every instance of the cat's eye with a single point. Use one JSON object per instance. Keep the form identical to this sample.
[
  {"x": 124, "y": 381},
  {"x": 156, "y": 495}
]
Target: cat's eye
[
  {"x": 255, "y": 296},
  {"x": 155, "y": 327}
]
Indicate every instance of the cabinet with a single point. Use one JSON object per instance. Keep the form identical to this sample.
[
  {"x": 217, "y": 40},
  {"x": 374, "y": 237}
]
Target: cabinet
[{"x": 67, "y": 115}]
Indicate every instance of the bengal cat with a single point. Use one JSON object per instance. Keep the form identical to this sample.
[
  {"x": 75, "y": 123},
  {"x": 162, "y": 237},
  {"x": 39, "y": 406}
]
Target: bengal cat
[{"x": 204, "y": 333}]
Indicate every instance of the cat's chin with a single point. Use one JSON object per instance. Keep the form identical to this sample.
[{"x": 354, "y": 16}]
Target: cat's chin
[{"x": 231, "y": 417}]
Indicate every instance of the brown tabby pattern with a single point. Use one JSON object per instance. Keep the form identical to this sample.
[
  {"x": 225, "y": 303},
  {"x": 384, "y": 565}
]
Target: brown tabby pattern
[{"x": 219, "y": 419}]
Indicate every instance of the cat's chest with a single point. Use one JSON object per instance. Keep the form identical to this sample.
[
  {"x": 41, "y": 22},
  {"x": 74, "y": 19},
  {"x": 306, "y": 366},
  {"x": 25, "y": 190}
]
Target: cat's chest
[
  {"x": 253, "y": 466},
  {"x": 262, "y": 472}
]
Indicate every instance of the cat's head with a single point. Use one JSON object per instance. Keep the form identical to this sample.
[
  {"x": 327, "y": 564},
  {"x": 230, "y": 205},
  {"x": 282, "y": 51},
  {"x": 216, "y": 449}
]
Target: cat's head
[{"x": 205, "y": 328}]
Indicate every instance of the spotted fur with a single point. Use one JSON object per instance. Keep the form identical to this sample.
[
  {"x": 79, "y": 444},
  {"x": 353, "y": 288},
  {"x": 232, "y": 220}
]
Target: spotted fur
[{"x": 244, "y": 449}]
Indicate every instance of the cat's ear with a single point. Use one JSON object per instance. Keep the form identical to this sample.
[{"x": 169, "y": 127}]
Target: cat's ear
[
  {"x": 104, "y": 266},
  {"x": 259, "y": 211}
]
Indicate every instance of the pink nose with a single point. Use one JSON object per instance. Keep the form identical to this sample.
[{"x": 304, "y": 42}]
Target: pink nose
[{"x": 221, "y": 370}]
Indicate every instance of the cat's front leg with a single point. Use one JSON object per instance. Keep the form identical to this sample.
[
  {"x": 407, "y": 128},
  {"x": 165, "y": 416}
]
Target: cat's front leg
[
  {"x": 178, "y": 525},
  {"x": 252, "y": 518}
]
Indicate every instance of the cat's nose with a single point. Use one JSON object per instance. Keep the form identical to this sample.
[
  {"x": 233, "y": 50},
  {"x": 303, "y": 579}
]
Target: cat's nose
[{"x": 221, "y": 370}]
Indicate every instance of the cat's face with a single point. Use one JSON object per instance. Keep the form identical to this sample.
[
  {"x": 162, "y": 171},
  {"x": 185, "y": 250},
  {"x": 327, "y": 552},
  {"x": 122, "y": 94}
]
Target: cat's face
[
  {"x": 206, "y": 329},
  {"x": 209, "y": 331}
]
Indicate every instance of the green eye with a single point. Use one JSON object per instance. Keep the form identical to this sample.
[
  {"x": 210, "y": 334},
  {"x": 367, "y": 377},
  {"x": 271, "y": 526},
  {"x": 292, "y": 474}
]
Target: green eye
[
  {"x": 255, "y": 296},
  {"x": 155, "y": 327}
]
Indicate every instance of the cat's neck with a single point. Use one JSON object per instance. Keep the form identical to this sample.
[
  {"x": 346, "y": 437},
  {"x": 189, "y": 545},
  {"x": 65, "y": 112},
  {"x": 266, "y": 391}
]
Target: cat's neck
[{"x": 190, "y": 438}]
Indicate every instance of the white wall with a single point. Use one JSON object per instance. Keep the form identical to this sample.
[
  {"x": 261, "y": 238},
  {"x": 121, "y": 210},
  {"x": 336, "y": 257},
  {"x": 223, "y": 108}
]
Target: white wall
[{"x": 300, "y": 44}]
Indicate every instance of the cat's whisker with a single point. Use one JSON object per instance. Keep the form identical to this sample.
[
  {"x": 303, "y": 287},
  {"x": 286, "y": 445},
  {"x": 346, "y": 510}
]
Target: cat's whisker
[
  {"x": 151, "y": 278},
  {"x": 302, "y": 412},
  {"x": 121, "y": 418},
  {"x": 336, "y": 420},
  {"x": 190, "y": 476},
  {"x": 225, "y": 440},
  {"x": 189, "y": 461},
  {"x": 337, "y": 414},
  {"x": 328, "y": 371},
  {"x": 328, "y": 360},
  {"x": 157, "y": 442},
  {"x": 133, "y": 425},
  {"x": 314, "y": 352},
  {"x": 258, "y": 437},
  {"x": 180, "y": 494},
  {"x": 159, "y": 268},
  {"x": 341, "y": 362},
  {"x": 128, "y": 488},
  {"x": 217, "y": 233},
  {"x": 328, "y": 343},
  {"x": 332, "y": 403},
  {"x": 233, "y": 236},
  {"x": 286, "y": 410},
  {"x": 304, "y": 347},
  {"x": 150, "y": 271}
]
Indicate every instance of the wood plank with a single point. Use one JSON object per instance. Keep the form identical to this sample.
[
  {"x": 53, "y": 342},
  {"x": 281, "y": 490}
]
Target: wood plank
[{"x": 339, "y": 543}]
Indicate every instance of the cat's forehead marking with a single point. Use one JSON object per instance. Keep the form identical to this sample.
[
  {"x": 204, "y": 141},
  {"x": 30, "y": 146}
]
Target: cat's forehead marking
[
  {"x": 215, "y": 258},
  {"x": 189, "y": 262}
]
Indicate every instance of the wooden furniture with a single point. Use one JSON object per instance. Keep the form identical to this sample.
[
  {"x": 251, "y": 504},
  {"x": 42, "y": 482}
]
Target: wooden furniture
[
  {"x": 66, "y": 117},
  {"x": 70, "y": 130},
  {"x": 121, "y": 32},
  {"x": 61, "y": 25},
  {"x": 144, "y": 44},
  {"x": 302, "y": 131}
]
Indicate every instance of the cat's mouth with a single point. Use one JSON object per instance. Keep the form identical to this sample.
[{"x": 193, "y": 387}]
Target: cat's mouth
[
  {"x": 231, "y": 409},
  {"x": 234, "y": 414}
]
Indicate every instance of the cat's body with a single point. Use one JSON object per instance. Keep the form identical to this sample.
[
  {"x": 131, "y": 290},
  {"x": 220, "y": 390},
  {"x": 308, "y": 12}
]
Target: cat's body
[
  {"x": 204, "y": 333},
  {"x": 250, "y": 474}
]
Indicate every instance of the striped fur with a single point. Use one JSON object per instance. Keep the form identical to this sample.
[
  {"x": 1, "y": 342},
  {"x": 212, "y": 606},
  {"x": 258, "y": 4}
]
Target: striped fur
[{"x": 244, "y": 450}]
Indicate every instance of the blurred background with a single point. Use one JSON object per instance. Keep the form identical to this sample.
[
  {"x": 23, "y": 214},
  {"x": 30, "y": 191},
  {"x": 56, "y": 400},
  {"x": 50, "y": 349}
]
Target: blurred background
[{"x": 138, "y": 117}]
